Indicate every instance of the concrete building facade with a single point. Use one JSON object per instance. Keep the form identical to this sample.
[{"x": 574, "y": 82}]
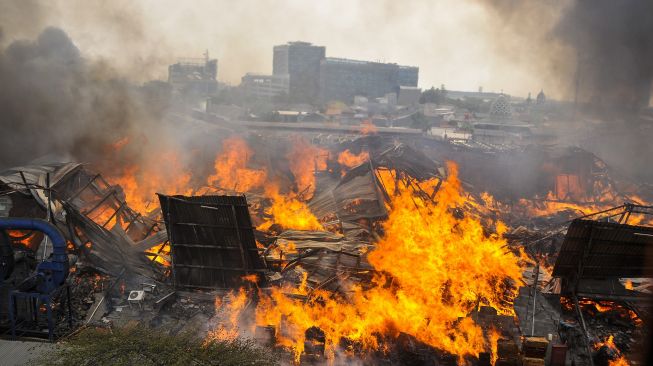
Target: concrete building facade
[
  {"x": 301, "y": 62},
  {"x": 194, "y": 75},
  {"x": 264, "y": 87},
  {"x": 342, "y": 79},
  {"x": 408, "y": 75}
]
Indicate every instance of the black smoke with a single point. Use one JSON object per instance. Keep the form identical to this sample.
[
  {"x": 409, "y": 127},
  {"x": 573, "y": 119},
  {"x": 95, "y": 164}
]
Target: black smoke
[
  {"x": 53, "y": 101},
  {"x": 613, "y": 41}
]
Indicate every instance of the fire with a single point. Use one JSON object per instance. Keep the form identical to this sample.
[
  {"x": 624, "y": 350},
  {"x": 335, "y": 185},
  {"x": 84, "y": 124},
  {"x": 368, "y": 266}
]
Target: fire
[
  {"x": 620, "y": 360},
  {"x": 368, "y": 128},
  {"x": 494, "y": 336},
  {"x": 251, "y": 278},
  {"x": 231, "y": 170},
  {"x": 118, "y": 145},
  {"x": 236, "y": 302},
  {"x": 595, "y": 307},
  {"x": 433, "y": 270},
  {"x": 304, "y": 160},
  {"x": 628, "y": 285},
  {"x": 550, "y": 205},
  {"x": 29, "y": 239},
  {"x": 140, "y": 183},
  {"x": 288, "y": 212},
  {"x": 160, "y": 252},
  {"x": 350, "y": 160}
]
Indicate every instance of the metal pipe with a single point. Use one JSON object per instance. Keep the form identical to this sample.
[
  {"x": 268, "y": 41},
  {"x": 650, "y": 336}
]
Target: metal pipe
[
  {"x": 537, "y": 275},
  {"x": 54, "y": 271}
]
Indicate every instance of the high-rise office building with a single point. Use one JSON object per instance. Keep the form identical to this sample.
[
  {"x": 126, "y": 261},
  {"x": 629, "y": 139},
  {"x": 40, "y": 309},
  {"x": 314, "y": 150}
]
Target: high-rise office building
[{"x": 301, "y": 62}]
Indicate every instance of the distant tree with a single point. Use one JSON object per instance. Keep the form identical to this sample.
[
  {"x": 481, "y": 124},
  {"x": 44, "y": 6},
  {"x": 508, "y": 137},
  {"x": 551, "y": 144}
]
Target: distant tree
[
  {"x": 432, "y": 95},
  {"x": 474, "y": 105}
]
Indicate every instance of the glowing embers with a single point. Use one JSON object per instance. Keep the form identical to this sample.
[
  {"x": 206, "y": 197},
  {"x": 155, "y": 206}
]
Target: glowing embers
[
  {"x": 603, "y": 309},
  {"x": 26, "y": 238}
]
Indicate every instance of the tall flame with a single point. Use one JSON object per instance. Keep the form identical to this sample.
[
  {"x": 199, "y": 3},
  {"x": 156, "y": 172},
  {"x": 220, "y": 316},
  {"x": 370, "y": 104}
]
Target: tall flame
[
  {"x": 288, "y": 212},
  {"x": 305, "y": 159},
  {"x": 140, "y": 183},
  {"x": 434, "y": 269},
  {"x": 609, "y": 342},
  {"x": 231, "y": 170}
]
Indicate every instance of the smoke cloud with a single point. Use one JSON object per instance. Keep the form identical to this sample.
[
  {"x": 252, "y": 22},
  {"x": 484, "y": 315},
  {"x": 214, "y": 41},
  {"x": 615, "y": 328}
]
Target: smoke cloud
[
  {"x": 56, "y": 102},
  {"x": 614, "y": 45},
  {"x": 457, "y": 43}
]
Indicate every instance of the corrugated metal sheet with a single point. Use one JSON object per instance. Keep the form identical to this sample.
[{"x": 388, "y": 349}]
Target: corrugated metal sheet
[
  {"x": 212, "y": 240},
  {"x": 605, "y": 250}
]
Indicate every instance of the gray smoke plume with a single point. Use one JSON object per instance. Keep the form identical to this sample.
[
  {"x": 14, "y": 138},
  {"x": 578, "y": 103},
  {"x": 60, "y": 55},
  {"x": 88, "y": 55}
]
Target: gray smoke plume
[
  {"x": 53, "y": 101},
  {"x": 614, "y": 45}
]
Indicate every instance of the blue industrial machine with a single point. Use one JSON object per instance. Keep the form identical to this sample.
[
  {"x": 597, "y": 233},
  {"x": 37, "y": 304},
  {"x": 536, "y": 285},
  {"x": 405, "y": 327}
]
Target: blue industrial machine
[{"x": 47, "y": 282}]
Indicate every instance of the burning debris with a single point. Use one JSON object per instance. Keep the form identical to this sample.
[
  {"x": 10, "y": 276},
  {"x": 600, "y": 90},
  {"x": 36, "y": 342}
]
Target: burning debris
[{"x": 356, "y": 253}]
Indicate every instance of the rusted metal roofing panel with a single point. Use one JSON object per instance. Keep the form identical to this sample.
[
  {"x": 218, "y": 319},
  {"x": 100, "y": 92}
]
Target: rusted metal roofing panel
[
  {"x": 605, "y": 249},
  {"x": 211, "y": 239}
]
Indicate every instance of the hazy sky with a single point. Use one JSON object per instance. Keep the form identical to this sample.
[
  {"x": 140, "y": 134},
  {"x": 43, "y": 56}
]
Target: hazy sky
[{"x": 463, "y": 44}]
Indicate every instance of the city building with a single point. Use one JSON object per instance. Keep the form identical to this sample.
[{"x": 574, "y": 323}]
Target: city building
[
  {"x": 408, "y": 95},
  {"x": 194, "y": 75},
  {"x": 264, "y": 87},
  {"x": 301, "y": 62},
  {"x": 408, "y": 75},
  {"x": 342, "y": 79}
]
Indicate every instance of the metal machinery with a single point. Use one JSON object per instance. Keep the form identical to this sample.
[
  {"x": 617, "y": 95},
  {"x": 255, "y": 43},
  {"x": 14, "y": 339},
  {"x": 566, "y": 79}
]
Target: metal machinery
[{"x": 47, "y": 282}]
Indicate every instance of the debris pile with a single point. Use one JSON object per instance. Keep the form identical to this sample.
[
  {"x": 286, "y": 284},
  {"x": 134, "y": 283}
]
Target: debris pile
[{"x": 360, "y": 249}]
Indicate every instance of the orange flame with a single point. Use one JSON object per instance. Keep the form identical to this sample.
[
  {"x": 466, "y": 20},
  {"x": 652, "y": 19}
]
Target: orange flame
[
  {"x": 288, "y": 212},
  {"x": 29, "y": 239},
  {"x": 350, "y": 160},
  {"x": 159, "y": 253},
  {"x": 494, "y": 336},
  {"x": 368, "y": 128},
  {"x": 231, "y": 170},
  {"x": 620, "y": 360},
  {"x": 305, "y": 159},
  {"x": 235, "y": 304},
  {"x": 140, "y": 183},
  {"x": 436, "y": 269}
]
